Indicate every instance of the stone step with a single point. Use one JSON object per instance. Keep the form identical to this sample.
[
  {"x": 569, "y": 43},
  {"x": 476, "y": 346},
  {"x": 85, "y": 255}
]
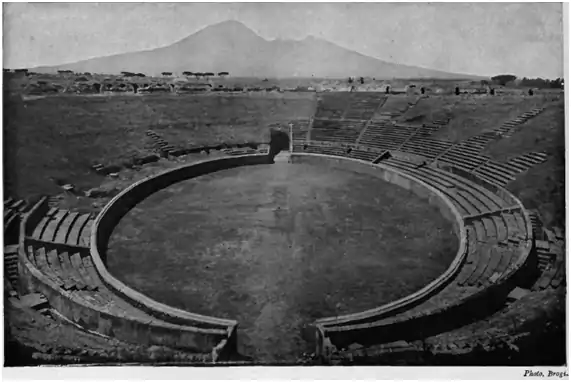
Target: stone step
[
  {"x": 498, "y": 168},
  {"x": 492, "y": 173},
  {"x": 521, "y": 162},
  {"x": 490, "y": 179},
  {"x": 516, "y": 167}
]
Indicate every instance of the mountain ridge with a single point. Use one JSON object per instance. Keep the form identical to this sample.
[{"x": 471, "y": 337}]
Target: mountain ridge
[{"x": 233, "y": 47}]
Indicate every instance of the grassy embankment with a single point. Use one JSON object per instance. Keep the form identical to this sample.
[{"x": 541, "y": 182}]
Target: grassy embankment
[{"x": 55, "y": 140}]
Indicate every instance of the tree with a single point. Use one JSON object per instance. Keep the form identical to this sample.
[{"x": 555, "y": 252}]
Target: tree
[
  {"x": 350, "y": 80},
  {"x": 187, "y": 73},
  {"x": 362, "y": 80},
  {"x": 166, "y": 74},
  {"x": 542, "y": 83},
  {"x": 223, "y": 74},
  {"x": 503, "y": 79},
  {"x": 197, "y": 75},
  {"x": 208, "y": 74}
]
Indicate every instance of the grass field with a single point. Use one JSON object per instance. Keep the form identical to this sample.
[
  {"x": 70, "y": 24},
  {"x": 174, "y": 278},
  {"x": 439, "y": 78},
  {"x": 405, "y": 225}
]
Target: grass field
[
  {"x": 472, "y": 115},
  {"x": 213, "y": 119},
  {"x": 58, "y": 139},
  {"x": 543, "y": 186},
  {"x": 278, "y": 246}
]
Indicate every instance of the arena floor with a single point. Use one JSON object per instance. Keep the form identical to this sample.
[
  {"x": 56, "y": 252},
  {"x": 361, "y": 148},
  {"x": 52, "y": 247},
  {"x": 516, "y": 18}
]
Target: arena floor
[{"x": 278, "y": 246}]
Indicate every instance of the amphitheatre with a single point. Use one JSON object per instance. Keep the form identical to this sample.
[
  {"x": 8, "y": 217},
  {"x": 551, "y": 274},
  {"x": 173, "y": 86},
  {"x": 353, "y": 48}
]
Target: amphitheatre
[{"x": 392, "y": 227}]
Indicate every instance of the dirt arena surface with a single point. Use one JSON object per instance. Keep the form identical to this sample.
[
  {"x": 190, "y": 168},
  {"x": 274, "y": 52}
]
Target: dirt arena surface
[{"x": 278, "y": 246}]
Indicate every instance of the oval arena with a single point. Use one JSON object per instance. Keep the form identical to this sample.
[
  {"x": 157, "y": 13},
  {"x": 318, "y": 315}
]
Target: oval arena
[{"x": 365, "y": 241}]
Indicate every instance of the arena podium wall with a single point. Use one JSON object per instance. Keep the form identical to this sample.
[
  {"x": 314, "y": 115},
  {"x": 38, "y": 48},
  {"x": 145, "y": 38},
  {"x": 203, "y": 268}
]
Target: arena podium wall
[
  {"x": 342, "y": 331},
  {"x": 221, "y": 334}
]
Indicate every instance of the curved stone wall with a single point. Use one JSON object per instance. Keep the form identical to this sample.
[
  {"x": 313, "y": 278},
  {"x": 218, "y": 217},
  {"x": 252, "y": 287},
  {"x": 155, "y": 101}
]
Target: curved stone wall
[
  {"x": 123, "y": 202},
  {"x": 360, "y": 326},
  {"x": 422, "y": 190},
  {"x": 110, "y": 216},
  {"x": 223, "y": 331},
  {"x": 126, "y": 328}
]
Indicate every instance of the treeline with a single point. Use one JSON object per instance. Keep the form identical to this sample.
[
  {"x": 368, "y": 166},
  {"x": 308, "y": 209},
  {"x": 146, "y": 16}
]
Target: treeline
[
  {"x": 204, "y": 74},
  {"x": 542, "y": 83},
  {"x": 505, "y": 79},
  {"x": 129, "y": 74}
]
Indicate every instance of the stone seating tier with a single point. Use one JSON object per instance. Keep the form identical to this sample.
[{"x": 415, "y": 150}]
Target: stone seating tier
[
  {"x": 470, "y": 201},
  {"x": 385, "y": 136},
  {"x": 65, "y": 227},
  {"x": 75, "y": 289},
  {"x": 430, "y": 148},
  {"x": 11, "y": 272},
  {"x": 363, "y": 155}
]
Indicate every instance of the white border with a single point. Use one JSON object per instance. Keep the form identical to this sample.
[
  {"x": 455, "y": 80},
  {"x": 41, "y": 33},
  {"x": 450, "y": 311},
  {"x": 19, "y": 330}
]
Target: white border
[{"x": 299, "y": 373}]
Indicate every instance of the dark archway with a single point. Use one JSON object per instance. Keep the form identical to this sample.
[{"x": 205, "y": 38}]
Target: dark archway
[{"x": 279, "y": 140}]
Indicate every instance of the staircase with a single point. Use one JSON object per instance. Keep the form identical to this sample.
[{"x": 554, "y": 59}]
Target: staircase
[{"x": 11, "y": 272}]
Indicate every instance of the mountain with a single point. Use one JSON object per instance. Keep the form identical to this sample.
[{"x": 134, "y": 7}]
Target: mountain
[{"x": 231, "y": 46}]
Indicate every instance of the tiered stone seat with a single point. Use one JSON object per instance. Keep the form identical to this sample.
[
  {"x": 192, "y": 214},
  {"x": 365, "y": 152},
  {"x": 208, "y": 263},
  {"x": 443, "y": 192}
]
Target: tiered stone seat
[
  {"x": 81, "y": 230},
  {"x": 58, "y": 269},
  {"x": 393, "y": 107},
  {"x": 470, "y": 199},
  {"x": 508, "y": 128},
  {"x": 298, "y": 147},
  {"x": 465, "y": 155},
  {"x": 11, "y": 264},
  {"x": 363, "y": 106},
  {"x": 545, "y": 257},
  {"x": 524, "y": 162},
  {"x": 77, "y": 279},
  {"x": 326, "y": 150},
  {"x": 240, "y": 151},
  {"x": 336, "y": 131},
  {"x": 13, "y": 210},
  {"x": 162, "y": 146},
  {"x": 368, "y": 156},
  {"x": 426, "y": 130},
  {"x": 427, "y": 147},
  {"x": 331, "y": 105},
  {"x": 486, "y": 262},
  {"x": 490, "y": 261},
  {"x": 299, "y": 130},
  {"x": 553, "y": 274},
  {"x": 66, "y": 227},
  {"x": 495, "y": 173},
  {"x": 385, "y": 136}
]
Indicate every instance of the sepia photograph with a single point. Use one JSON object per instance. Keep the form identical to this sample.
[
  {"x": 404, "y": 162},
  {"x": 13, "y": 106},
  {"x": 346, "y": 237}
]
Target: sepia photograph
[{"x": 264, "y": 185}]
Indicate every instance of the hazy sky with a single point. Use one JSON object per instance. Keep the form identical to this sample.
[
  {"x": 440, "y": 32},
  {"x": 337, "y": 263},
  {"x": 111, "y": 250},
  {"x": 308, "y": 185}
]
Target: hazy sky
[{"x": 477, "y": 38}]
